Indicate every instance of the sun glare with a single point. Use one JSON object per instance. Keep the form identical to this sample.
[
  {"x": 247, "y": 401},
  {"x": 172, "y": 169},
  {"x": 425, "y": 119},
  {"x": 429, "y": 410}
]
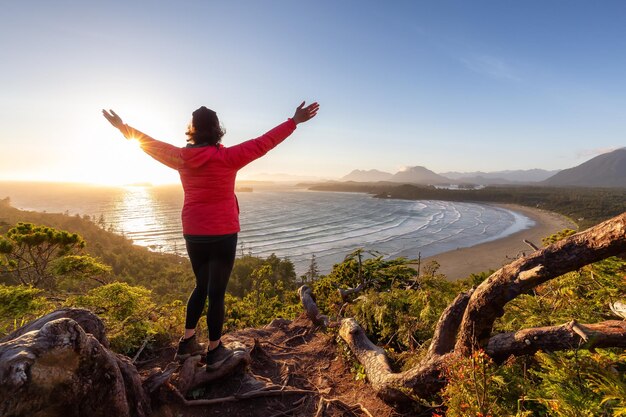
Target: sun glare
[
  {"x": 133, "y": 142},
  {"x": 122, "y": 162}
]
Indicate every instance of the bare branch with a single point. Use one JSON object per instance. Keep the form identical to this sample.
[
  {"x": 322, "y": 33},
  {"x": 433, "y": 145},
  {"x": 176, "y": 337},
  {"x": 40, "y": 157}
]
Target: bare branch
[
  {"x": 345, "y": 294},
  {"x": 250, "y": 394},
  {"x": 531, "y": 244},
  {"x": 571, "y": 335},
  {"x": 448, "y": 325}
]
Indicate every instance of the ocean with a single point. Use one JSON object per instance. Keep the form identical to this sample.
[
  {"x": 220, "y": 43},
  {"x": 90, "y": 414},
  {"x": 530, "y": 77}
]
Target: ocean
[{"x": 289, "y": 222}]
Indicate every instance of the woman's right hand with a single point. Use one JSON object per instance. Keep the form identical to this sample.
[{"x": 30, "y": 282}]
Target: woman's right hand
[
  {"x": 304, "y": 114},
  {"x": 114, "y": 119}
]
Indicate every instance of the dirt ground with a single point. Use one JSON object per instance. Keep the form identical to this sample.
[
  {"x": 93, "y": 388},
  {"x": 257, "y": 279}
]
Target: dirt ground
[{"x": 291, "y": 355}]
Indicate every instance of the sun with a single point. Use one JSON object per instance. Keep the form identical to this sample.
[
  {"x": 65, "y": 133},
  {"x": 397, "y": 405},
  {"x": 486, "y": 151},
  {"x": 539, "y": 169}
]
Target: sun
[
  {"x": 121, "y": 161},
  {"x": 134, "y": 143}
]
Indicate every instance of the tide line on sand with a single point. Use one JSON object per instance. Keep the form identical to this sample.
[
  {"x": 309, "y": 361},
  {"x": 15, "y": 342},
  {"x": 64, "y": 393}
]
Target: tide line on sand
[{"x": 460, "y": 263}]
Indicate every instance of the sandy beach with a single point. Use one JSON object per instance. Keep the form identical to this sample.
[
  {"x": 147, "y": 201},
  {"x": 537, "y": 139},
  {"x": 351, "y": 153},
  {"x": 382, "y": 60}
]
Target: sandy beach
[{"x": 462, "y": 262}]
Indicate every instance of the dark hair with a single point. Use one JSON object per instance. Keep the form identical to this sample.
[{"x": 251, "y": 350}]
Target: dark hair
[{"x": 204, "y": 128}]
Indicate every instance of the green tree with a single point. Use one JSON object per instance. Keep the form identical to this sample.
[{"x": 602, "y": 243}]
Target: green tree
[
  {"x": 269, "y": 294},
  {"x": 312, "y": 273},
  {"x": 242, "y": 277},
  {"x": 28, "y": 250},
  {"x": 373, "y": 273},
  {"x": 79, "y": 272}
]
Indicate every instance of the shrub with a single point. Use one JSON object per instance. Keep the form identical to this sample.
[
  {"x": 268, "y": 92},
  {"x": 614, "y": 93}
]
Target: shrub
[
  {"x": 128, "y": 312},
  {"x": 20, "y": 304}
]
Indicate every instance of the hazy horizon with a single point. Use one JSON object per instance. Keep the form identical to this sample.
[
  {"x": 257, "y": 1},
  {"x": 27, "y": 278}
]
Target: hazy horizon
[
  {"x": 278, "y": 178},
  {"x": 258, "y": 178},
  {"x": 451, "y": 85}
]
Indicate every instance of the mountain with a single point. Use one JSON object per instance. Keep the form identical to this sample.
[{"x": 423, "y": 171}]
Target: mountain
[
  {"x": 419, "y": 175},
  {"x": 606, "y": 170},
  {"x": 372, "y": 175},
  {"x": 502, "y": 177}
]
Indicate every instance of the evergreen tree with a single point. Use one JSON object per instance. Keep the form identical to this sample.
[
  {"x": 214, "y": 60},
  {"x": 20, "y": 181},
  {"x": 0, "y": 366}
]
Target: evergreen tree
[{"x": 313, "y": 273}]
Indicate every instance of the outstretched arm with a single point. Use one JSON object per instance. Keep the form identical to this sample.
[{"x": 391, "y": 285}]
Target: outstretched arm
[
  {"x": 246, "y": 152},
  {"x": 163, "y": 152}
]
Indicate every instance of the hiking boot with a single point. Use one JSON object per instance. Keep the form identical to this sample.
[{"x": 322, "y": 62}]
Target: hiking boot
[
  {"x": 216, "y": 357},
  {"x": 187, "y": 348}
]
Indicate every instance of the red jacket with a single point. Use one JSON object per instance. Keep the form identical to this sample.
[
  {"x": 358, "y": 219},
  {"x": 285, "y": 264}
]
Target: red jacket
[{"x": 208, "y": 177}]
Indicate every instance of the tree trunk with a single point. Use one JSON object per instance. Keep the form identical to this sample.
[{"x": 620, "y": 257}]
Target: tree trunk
[
  {"x": 53, "y": 367},
  {"x": 57, "y": 369}
]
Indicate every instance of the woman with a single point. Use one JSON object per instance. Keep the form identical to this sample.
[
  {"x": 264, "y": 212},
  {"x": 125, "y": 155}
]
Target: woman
[{"x": 210, "y": 214}]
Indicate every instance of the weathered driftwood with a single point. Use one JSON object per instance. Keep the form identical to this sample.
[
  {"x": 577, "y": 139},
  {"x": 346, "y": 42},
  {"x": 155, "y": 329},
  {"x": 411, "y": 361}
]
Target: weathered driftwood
[
  {"x": 467, "y": 323},
  {"x": 85, "y": 319},
  {"x": 448, "y": 325},
  {"x": 58, "y": 369},
  {"x": 387, "y": 384},
  {"x": 521, "y": 276},
  {"x": 571, "y": 335},
  {"x": 310, "y": 307}
]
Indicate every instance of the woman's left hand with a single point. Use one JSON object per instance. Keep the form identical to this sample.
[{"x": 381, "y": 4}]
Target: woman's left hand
[{"x": 114, "y": 119}]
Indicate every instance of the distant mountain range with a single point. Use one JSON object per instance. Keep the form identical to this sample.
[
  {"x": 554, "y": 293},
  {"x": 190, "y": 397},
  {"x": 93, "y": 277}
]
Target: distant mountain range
[
  {"x": 606, "y": 170},
  {"x": 422, "y": 175},
  {"x": 419, "y": 175},
  {"x": 411, "y": 175},
  {"x": 371, "y": 175},
  {"x": 501, "y": 177}
]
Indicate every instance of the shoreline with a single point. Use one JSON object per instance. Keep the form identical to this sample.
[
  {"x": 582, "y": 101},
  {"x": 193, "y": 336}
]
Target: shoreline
[{"x": 460, "y": 263}]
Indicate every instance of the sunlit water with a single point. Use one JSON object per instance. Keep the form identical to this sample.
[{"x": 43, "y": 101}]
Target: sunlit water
[{"x": 291, "y": 223}]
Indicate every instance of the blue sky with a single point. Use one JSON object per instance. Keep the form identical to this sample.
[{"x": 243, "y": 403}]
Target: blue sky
[{"x": 450, "y": 85}]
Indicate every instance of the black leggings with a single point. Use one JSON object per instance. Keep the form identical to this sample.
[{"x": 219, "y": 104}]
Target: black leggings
[{"x": 212, "y": 263}]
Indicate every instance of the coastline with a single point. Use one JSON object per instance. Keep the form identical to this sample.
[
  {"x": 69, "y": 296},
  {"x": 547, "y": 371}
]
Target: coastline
[
  {"x": 460, "y": 263},
  {"x": 455, "y": 263}
]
